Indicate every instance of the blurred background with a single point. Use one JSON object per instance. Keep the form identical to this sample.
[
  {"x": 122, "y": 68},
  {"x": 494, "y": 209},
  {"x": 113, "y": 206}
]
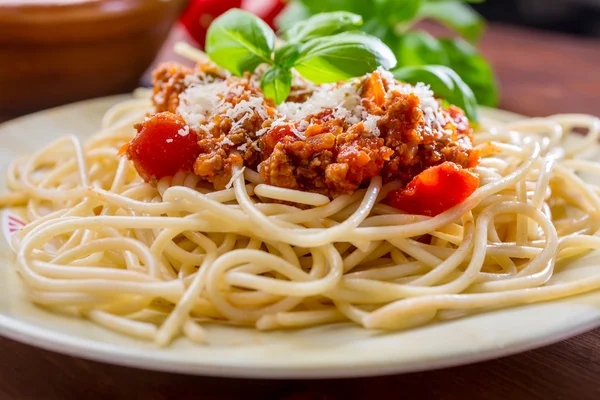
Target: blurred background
[
  {"x": 55, "y": 52},
  {"x": 580, "y": 17}
]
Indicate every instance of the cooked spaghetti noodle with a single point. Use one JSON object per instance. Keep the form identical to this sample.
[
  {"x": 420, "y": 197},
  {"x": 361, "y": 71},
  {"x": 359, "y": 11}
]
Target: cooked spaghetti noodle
[{"x": 163, "y": 260}]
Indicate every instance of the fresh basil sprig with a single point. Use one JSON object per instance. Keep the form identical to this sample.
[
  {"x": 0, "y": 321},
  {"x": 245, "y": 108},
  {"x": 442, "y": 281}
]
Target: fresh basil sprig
[
  {"x": 238, "y": 41},
  {"x": 322, "y": 49},
  {"x": 342, "y": 56},
  {"x": 473, "y": 68},
  {"x": 276, "y": 83},
  {"x": 392, "y": 20},
  {"x": 323, "y": 25},
  {"x": 455, "y": 15},
  {"x": 445, "y": 83}
]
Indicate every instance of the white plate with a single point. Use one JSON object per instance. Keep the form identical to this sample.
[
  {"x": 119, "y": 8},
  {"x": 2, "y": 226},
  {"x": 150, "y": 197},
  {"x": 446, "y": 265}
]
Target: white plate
[{"x": 341, "y": 350}]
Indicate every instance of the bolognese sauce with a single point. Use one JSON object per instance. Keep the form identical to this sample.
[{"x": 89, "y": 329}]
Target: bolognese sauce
[{"x": 331, "y": 139}]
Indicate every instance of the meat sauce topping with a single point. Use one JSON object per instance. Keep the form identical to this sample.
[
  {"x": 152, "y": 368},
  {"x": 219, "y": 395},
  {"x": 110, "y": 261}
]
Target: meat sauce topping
[{"x": 327, "y": 139}]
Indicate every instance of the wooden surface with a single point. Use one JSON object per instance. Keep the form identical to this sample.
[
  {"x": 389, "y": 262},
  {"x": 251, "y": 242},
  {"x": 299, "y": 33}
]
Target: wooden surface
[{"x": 540, "y": 74}]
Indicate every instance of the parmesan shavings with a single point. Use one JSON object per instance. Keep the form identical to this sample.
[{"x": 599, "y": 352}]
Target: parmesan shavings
[
  {"x": 159, "y": 98},
  {"x": 247, "y": 108},
  {"x": 434, "y": 118},
  {"x": 184, "y": 131},
  {"x": 343, "y": 99},
  {"x": 227, "y": 141},
  {"x": 370, "y": 124},
  {"x": 201, "y": 101},
  {"x": 198, "y": 102}
]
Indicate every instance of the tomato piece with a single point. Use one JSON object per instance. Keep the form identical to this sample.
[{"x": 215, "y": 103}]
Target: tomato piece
[
  {"x": 267, "y": 10},
  {"x": 163, "y": 146},
  {"x": 435, "y": 190},
  {"x": 276, "y": 135},
  {"x": 374, "y": 90},
  {"x": 199, "y": 14}
]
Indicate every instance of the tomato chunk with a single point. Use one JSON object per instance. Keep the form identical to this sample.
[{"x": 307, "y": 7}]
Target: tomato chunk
[
  {"x": 276, "y": 135},
  {"x": 163, "y": 146},
  {"x": 435, "y": 190},
  {"x": 374, "y": 90}
]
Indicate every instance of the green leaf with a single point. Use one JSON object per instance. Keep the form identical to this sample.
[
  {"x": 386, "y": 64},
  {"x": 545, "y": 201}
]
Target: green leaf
[
  {"x": 286, "y": 55},
  {"x": 456, "y": 15},
  {"x": 378, "y": 28},
  {"x": 292, "y": 13},
  {"x": 395, "y": 11},
  {"x": 342, "y": 56},
  {"x": 239, "y": 41},
  {"x": 420, "y": 48},
  {"x": 276, "y": 83},
  {"x": 360, "y": 7},
  {"x": 323, "y": 24},
  {"x": 445, "y": 83},
  {"x": 473, "y": 69}
]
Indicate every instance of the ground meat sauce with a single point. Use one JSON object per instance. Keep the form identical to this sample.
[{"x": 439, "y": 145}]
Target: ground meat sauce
[
  {"x": 395, "y": 136},
  {"x": 231, "y": 141},
  {"x": 172, "y": 79},
  {"x": 330, "y": 160}
]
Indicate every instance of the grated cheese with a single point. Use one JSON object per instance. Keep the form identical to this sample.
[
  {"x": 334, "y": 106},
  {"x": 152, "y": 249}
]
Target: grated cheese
[
  {"x": 343, "y": 99},
  {"x": 227, "y": 141},
  {"x": 432, "y": 113},
  {"x": 191, "y": 79},
  {"x": 198, "y": 102},
  {"x": 184, "y": 131},
  {"x": 159, "y": 98},
  {"x": 370, "y": 124},
  {"x": 428, "y": 104},
  {"x": 303, "y": 126},
  {"x": 201, "y": 101}
]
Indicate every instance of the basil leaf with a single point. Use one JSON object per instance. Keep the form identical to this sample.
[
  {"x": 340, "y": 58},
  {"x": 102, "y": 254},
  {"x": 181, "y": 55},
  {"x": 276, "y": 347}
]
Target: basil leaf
[
  {"x": 239, "y": 41},
  {"x": 445, "y": 83},
  {"x": 420, "y": 48},
  {"x": 456, "y": 15},
  {"x": 286, "y": 55},
  {"x": 473, "y": 69},
  {"x": 291, "y": 14},
  {"x": 276, "y": 83},
  {"x": 395, "y": 11},
  {"x": 323, "y": 25},
  {"x": 342, "y": 56},
  {"x": 376, "y": 27},
  {"x": 354, "y": 6}
]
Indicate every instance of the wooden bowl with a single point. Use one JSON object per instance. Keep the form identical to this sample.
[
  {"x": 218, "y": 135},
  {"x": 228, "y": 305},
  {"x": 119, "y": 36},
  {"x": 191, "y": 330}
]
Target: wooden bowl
[{"x": 59, "y": 51}]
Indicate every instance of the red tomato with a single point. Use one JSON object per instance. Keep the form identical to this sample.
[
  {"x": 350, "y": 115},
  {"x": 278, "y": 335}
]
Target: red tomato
[
  {"x": 199, "y": 14},
  {"x": 435, "y": 190},
  {"x": 276, "y": 135},
  {"x": 267, "y": 10},
  {"x": 160, "y": 150}
]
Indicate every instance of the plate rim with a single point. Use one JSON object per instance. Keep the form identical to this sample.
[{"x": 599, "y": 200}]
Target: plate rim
[
  {"x": 71, "y": 345},
  {"x": 107, "y": 353}
]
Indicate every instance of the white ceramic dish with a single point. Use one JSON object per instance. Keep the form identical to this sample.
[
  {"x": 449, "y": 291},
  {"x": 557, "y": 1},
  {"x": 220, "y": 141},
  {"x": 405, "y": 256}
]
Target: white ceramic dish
[{"x": 341, "y": 350}]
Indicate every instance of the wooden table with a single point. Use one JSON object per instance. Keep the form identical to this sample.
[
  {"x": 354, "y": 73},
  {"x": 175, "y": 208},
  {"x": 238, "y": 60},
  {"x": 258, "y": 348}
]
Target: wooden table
[{"x": 540, "y": 74}]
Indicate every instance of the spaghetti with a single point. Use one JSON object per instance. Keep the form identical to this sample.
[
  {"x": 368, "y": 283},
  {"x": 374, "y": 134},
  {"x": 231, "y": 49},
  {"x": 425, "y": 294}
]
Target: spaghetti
[{"x": 159, "y": 261}]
